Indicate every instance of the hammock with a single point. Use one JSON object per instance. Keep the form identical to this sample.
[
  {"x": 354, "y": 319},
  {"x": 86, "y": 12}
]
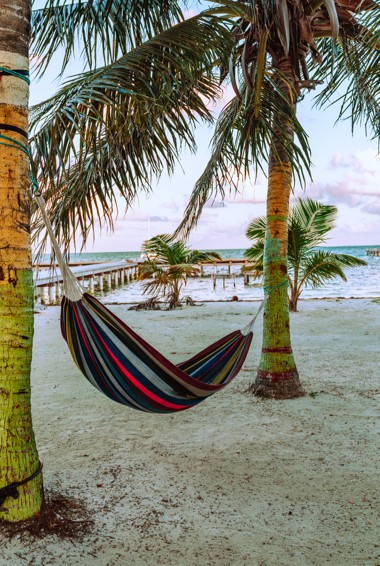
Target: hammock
[{"x": 127, "y": 369}]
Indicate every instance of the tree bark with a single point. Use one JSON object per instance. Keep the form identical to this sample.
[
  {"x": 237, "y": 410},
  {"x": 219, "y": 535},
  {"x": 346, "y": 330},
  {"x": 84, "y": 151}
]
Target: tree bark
[
  {"x": 18, "y": 453},
  {"x": 277, "y": 375}
]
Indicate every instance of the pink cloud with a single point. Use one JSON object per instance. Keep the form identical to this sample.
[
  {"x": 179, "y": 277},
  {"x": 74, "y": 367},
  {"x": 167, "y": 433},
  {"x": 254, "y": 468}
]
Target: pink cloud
[{"x": 354, "y": 182}]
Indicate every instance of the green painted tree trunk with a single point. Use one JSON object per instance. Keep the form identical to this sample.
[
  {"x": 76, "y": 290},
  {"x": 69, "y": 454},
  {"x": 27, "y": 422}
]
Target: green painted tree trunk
[
  {"x": 277, "y": 375},
  {"x": 18, "y": 454}
]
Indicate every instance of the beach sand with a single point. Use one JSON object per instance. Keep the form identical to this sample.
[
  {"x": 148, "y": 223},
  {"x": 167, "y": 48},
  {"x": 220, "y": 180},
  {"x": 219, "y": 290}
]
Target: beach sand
[{"x": 235, "y": 481}]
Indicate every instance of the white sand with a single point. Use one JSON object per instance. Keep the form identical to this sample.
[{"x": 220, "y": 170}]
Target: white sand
[{"x": 233, "y": 482}]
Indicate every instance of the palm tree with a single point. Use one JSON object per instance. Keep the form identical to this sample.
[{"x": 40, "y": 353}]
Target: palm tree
[
  {"x": 282, "y": 51},
  {"x": 18, "y": 453},
  {"x": 113, "y": 127},
  {"x": 308, "y": 223},
  {"x": 168, "y": 265}
]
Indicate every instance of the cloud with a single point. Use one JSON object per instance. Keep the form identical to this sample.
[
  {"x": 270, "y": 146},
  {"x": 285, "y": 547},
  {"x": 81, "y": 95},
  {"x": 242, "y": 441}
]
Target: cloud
[
  {"x": 135, "y": 217},
  {"x": 170, "y": 205},
  {"x": 242, "y": 199},
  {"x": 366, "y": 161},
  {"x": 212, "y": 203},
  {"x": 354, "y": 182},
  {"x": 159, "y": 219}
]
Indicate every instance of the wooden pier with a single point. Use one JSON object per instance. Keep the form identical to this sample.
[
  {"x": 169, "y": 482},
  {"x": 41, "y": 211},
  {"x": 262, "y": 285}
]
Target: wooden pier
[
  {"x": 48, "y": 282},
  {"x": 373, "y": 251}
]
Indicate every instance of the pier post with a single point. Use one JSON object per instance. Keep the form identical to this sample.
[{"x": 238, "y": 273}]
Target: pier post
[
  {"x": 100, "y": 282},
  {"x": 92, "y": 284},
  {"x": 122, "y": 277},
  {"x": 109, "y": 281},
  {"x": 57, "y": 291},
  {"x": 51, "y": 294},
  {"x": 44, "y": 296}
]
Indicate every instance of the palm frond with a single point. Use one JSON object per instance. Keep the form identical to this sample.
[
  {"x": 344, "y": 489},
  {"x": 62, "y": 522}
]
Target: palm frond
[
  {"x": 105, "y": 30},
  {"x": 324, "y": 266},
  {"x": 314, "y": 218},
  {"x": 351, "y": 74},
  {"x": 255, "y": 254},
  {"x": 117, "y": 126},
  {"x": 241, "y": 144}
]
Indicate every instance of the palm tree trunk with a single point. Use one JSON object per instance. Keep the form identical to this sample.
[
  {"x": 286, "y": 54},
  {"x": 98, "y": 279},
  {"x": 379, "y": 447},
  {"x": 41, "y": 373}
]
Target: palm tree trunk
[
  {"x": 277, "y": 375},
  {"x": 293, "y": 301},
  {"x": 18, "y": 454}
]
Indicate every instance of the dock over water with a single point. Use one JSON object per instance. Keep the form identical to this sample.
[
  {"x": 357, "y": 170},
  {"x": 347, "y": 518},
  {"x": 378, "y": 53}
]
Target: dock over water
[{"x": 373, "y": 251}]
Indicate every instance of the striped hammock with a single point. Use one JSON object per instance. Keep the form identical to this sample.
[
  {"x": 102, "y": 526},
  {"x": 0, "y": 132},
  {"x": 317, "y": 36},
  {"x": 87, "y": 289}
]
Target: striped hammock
[{"x": 127, "y": 369}]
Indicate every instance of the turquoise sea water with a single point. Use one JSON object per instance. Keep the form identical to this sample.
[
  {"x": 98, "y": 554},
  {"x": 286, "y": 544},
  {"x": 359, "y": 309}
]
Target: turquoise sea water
[{"x": 361, "y": 281}]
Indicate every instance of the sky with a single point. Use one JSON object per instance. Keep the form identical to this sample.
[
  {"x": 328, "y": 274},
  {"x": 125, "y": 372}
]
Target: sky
[{"x": 346, "y": 173}]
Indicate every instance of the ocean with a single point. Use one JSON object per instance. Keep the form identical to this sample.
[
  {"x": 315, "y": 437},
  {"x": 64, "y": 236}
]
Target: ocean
[{"x": 361, "y": 282}]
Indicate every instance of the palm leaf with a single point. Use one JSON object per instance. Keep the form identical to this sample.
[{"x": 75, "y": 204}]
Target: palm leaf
[
  {"x": 241, "y": 144},
  {"x": 117, "y": 126},
  {"x": 105, "y": 29},
  {"x": 352, "y": 74},
  {"x": 313, "y": 218},
  {"x": 324, "y": 266}
]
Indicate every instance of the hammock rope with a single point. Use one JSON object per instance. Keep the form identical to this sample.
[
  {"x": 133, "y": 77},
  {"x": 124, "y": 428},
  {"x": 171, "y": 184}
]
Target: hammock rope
[
  {"x": 119, "y": 362},
  {"x": 72, "y": 289}
]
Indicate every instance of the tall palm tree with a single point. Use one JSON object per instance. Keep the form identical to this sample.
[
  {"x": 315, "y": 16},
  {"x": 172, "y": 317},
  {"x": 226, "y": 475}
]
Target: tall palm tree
[
  {"x": 308, "y": 223},
  {"x": 114, "y": 127},
  {"x": 283, "y": 50},
  {"x": 18, "y": 453},
  {"x": 168, "y": 265}
]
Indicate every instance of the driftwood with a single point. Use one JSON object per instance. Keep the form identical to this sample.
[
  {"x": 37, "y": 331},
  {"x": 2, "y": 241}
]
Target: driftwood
[{"x": 151, "y": 304}]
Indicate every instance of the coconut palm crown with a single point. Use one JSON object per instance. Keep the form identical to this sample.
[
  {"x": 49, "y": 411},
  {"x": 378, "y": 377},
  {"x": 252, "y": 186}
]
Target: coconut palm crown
[
  {"x": 308, "y": 224},
  {"x": 283, "y": 50}
]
